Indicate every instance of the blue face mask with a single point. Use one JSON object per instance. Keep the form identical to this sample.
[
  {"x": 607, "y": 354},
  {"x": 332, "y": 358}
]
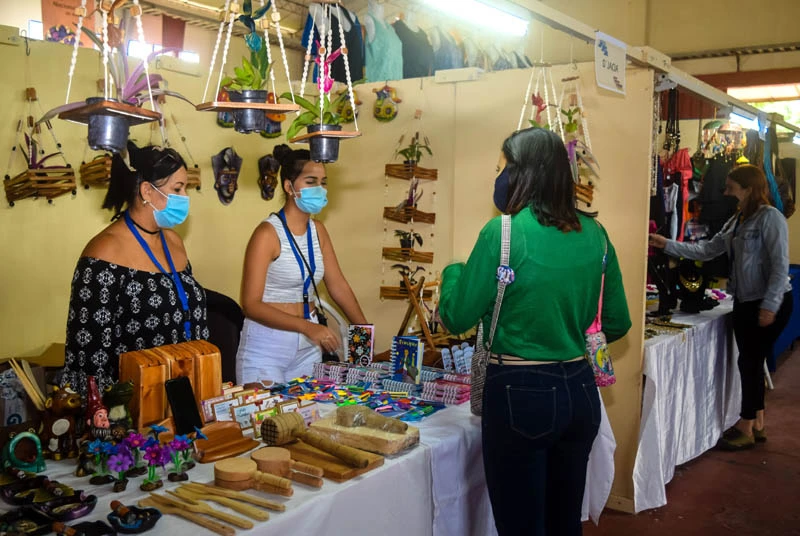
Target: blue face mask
[
  {"x": 501, "y": 191},
  {"x": 174, "y": 213},
  {"x": 311, "y": 200}
]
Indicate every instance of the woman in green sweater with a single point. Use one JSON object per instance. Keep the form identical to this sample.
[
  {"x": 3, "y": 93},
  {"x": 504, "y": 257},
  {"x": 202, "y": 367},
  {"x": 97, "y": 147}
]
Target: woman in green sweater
[{"x": 541, "y": 408}]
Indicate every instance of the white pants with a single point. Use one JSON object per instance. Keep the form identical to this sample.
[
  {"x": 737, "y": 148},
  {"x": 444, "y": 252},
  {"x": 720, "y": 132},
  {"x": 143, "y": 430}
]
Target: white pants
[{"x": 273, "y": 354}]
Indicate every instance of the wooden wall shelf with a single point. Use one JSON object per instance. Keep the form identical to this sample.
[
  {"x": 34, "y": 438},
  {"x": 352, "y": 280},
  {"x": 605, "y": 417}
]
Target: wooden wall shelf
[
  {"x": 407, "y": 254},
  {"x": 96, "y": 172},
  {"x": 193, "y": 178},
  {"x": 408, "y": 214},
  {"x": 408, "y": 172},
  {"x": 399, "y": 293}
]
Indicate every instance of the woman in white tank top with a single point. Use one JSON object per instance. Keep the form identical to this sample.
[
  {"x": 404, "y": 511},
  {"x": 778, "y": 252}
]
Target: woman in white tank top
[{"x": 281, "y": 338}]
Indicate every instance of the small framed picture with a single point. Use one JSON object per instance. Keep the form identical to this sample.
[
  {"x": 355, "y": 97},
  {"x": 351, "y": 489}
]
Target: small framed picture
[
  {"x": 241, "y": 414},
  {"x": 222, "y": 410}
]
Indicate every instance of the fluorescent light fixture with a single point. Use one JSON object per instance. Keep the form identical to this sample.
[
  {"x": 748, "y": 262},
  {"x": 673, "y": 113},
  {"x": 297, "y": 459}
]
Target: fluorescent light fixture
[
  {"x": 482, "y": 14},
  {"x": 189, "y": 57},
  {"x": 35, "y": 29}
]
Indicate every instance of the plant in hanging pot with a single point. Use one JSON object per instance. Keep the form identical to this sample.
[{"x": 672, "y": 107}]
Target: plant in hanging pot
[
  {"x": 248, "y": 86},
  {"x": 322, "y": 149},
  {"x": 407, "y": 238},
  {"x": 405, "y": 270},
  {"x": 413, "y": 152}
]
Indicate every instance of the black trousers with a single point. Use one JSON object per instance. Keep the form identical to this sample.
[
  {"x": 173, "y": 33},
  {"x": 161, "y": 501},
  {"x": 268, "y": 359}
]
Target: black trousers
[{"x": 754, "y": 344}]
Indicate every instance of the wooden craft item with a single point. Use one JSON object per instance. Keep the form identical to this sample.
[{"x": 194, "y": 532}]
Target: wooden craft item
[
  {"x": 408, "y": 214},
  {"x": 410, "y": 171},
  {"x": 250, "y": 511},
  {"x": 278, "y": 461},
  {"x": 350, "y": 416},
  {"x": 365, "y": 438},
  {"x": 349, "y": 455},
  {"x": 202, "y": 508},
  {"x": 48, "y": 182},
  {"x": 241, "y": 473},
  {"x": 225, "y": 440},
  {"x": 216, "y": 491},
  {"x": 407, "y": 254},
  {"x": 170, "y": 508},
  {"x": 332, "y": 467},
  {"x": 281, "y": 429},
  {"x": 149, "y": 369},
  {"x": 96, "y": 172}
]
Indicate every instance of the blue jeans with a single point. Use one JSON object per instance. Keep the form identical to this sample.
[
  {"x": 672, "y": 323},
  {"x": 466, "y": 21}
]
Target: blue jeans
[{"x": 539, "y": 423}]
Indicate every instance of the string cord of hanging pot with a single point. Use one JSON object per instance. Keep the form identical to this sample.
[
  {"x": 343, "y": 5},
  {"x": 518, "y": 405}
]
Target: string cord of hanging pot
[{"x": 173, "y": 273}]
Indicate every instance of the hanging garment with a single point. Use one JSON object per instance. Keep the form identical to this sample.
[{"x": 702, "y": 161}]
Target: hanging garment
[
  {"x": 474, "y": 56},
  {"x": 417, "y": 51},
  {"x": 384, "y": 54},
  {"x": 447, "y": 55},
  {"x": 353, "y": 41},
  {"x": 717, "y": 208},
  {"x": 679, "y": 167}
]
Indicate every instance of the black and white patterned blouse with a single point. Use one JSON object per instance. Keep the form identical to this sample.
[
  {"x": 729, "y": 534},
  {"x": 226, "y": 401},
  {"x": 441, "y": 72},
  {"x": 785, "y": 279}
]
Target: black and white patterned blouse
[{"x": 115, "y": 309}]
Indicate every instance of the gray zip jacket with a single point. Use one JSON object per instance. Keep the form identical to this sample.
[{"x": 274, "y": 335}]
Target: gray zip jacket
[{"x": 760, "y": 259}]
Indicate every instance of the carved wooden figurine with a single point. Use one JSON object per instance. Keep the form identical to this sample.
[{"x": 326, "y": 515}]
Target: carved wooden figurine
[{"x": 58, "y": 430}]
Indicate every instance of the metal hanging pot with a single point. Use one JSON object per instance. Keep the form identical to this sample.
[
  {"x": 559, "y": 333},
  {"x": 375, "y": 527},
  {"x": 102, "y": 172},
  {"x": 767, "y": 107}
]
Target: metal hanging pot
[
  {"x": 324, "y": 150},
  {"x": 249, "y": 120},
  {"x": 107, "y": 132}
]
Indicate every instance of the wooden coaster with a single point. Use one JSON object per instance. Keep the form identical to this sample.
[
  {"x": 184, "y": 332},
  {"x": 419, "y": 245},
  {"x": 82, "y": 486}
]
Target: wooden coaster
[{"x": 234, "y": 469}]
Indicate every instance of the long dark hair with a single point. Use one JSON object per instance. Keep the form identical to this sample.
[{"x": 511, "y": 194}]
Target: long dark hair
[
  {"x": 292, "y": 162},
  {"x": 539, "y": 177},
  {"x": 749, "y": 176},
  {"x": 152, "y": 164}
]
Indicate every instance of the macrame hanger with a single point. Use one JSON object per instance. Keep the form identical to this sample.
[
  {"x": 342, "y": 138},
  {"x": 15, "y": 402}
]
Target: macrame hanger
[
  {"x": 81, "y": 12},
  {"x": 276, "y": 19},
  {"x": 231, "y": 21},
  {"x": 347, "y": 67},
  {"x": 216, "y": 50}
]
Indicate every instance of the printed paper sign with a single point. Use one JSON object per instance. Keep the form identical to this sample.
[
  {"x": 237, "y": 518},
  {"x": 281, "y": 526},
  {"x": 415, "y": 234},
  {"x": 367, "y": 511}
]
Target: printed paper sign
[{"x": 609, "y": 62}]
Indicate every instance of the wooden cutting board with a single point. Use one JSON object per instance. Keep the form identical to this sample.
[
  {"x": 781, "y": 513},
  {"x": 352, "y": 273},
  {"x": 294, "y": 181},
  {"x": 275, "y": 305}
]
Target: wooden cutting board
[
  {"x": 332, "y": 467},
  {"x": 368, "y": 439}
]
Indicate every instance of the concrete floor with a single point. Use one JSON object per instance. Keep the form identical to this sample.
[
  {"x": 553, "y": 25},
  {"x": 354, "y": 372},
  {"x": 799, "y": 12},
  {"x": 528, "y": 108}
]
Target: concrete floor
[{"x": 755, "y": 492}]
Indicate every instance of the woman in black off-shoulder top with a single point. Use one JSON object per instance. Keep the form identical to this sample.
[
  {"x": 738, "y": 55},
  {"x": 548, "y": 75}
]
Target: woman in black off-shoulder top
[{"x": 133, "y": 286}]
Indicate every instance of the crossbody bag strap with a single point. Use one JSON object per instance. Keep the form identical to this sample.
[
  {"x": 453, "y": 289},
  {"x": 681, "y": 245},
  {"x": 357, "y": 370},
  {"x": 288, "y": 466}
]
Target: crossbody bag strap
[
  {"x": 598, "y": 318},
  {"x": 505, "y": 250}
]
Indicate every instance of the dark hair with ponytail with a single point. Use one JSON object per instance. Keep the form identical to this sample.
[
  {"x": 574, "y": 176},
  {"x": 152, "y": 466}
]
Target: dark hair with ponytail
[
  {"x": 292, "y": 162},
  {"x": 151, "y": 164}
]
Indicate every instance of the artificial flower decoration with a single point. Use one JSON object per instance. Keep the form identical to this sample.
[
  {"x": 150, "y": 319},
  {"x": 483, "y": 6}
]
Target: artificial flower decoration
[{"x": 324, "y": 81}]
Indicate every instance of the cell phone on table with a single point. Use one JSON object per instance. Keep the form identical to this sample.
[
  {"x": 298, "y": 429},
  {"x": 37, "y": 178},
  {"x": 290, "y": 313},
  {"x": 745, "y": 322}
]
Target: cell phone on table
[{"x": 183, "y": 405}]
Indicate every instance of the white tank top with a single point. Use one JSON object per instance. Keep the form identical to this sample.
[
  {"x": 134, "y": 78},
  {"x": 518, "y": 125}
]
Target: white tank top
[{"x": 284, "y": 282}]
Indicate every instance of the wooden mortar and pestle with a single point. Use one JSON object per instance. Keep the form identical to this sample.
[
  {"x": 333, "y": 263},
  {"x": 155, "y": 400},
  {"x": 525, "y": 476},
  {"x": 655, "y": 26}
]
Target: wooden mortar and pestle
[{"x": 239, "y": 474}]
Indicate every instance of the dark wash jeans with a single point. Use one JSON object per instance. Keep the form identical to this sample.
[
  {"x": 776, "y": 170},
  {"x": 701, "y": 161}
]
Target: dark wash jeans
[
  {"x": 754, "y": 344},
  {"x": 539, "y": 423}
]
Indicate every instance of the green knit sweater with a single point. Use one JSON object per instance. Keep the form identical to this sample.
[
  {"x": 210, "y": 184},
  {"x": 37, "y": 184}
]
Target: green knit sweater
[{"x": 554, "y": 297}]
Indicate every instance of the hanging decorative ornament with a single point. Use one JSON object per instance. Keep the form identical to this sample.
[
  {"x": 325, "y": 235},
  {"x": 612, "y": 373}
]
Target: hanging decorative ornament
[
  {"x": 273, "y": 125},
  {"x": 40, "y": 178},
  {"x": 544, "y": 108},
  {"x": 246, "y": 90},
  {"x": 575, "y": 132},
  {"x": 96, "y": 172},
  {"x": 321, "y": 121},
  {"x": 268, "y": 167},
  {"x": 386, "y": 101},
  {"x": 226, "y": 165},
  {"x": 109, "y": 117},
  {"x": 344, "y": 107}
]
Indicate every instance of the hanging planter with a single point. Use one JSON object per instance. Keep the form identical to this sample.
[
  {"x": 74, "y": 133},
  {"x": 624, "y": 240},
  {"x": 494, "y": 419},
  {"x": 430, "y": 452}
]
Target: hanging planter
[
  {"x": 109, "y": 117},
  {"x": 324, "y": 148},
  {"x": 244, "y": 96}
]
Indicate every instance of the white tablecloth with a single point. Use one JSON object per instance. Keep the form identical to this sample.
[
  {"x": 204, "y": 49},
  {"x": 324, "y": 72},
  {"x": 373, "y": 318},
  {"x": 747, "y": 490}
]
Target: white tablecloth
[
  {"x": 438, "y": 488},
  {"x": 691, "y": 395}
]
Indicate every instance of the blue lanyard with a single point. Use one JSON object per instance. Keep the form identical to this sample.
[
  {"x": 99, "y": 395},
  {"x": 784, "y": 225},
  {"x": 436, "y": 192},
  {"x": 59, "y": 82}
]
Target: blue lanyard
[
  {"x": 187, "y": 325},
  {"x": 298, "y": 257}
]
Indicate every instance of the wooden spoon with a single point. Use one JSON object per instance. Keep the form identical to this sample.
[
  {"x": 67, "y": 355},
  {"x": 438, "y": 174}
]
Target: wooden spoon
[
  {"x": 231, "y": 494},
  {"x": 213, "y": 526},
  {"x": 202, "y": 508},
  {"x": 250, "y": 511}
]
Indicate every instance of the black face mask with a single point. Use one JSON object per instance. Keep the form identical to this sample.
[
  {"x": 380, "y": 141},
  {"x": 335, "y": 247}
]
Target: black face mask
[{"x": 501, "y": 191}]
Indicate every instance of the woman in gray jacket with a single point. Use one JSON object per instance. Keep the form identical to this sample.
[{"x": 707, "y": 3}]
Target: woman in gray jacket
[{"x": 756, "y": 239}]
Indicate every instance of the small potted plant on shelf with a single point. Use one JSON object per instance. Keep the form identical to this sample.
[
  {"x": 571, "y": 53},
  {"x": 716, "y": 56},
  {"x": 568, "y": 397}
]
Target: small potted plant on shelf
[
  {"x": 413, "y": 152},
  {"x": 407, "y": 238},
  {"x": 405, "y": 270},
  {"x": 248, "y": 86}
]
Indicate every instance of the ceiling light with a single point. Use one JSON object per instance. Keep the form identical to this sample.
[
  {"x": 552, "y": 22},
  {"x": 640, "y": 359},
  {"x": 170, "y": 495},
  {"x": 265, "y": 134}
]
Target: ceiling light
[{"x": 480, "y": 13}]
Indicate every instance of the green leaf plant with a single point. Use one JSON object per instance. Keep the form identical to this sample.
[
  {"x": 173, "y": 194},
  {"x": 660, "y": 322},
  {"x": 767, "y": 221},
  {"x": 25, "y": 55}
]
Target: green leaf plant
[
  {"x": 413, "y": 152},
  {"x": 311, "y": 115},
  {"x": 252, "y": 74}
]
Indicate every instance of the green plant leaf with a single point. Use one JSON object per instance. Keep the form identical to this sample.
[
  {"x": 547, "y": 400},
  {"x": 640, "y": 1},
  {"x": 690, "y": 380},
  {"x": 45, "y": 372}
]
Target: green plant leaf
[
  {"x": 226, "y": 81},
  {"x": 304, "y": 103},
  {"x": 301, "y": 121}
]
